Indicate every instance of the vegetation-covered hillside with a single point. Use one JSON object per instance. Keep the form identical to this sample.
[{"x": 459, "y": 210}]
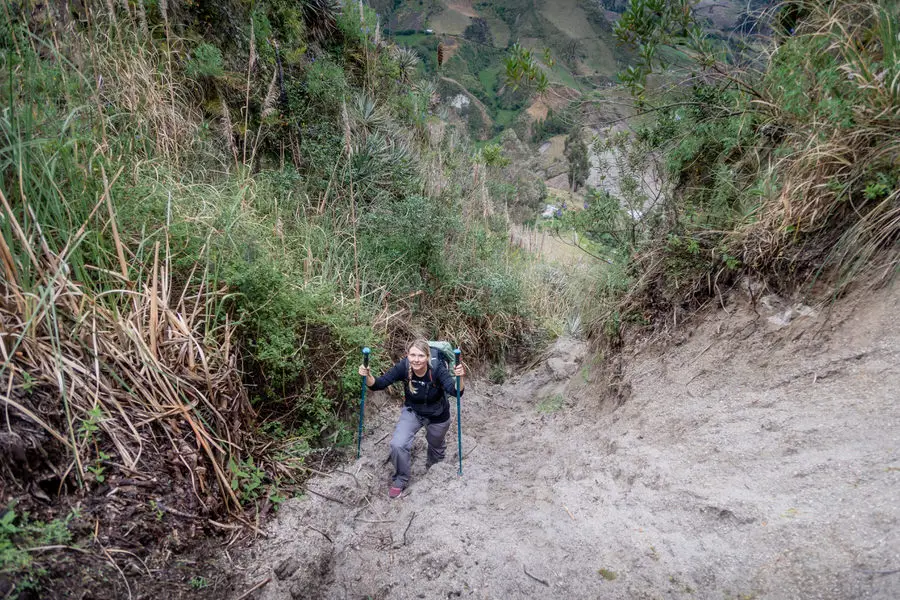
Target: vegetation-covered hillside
[
  {"x": 780, "y": 165},
  {"x": 208, "y": 209},
  {"x": 572, "y": 41}
]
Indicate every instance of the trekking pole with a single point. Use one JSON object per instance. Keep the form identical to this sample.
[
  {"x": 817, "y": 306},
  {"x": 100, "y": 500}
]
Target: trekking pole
[
  {"x": 362, "y": 400},
  {"x": 457, "y": 355}
]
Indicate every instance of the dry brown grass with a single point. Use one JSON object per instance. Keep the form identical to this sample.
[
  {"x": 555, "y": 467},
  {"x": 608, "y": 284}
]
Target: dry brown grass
[
  {"x": 147, "y": 357},
  {"x": 815, "y": 174},
  {"x": 152, "y": 102},
  {"x": 822, "y": 197}
]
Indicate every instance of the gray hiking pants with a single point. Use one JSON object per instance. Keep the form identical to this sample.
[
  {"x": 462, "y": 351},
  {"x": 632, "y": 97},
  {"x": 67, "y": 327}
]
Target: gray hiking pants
[{"x": 407, "y": 426}]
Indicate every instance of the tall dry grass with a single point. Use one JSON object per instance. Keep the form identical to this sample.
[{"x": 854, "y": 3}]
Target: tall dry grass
[
  {"x": 838, "y": 193},
  {"x": 106, "y": 343},
  {"x": 144, "y": 362}
]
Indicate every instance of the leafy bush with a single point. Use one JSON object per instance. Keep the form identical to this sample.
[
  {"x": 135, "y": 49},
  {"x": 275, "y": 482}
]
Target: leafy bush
[
  {"x": 19, "y": 534},
  {"x": 403, "y": 242},
  {"x": 326, "y": 86},
  {"x": 205, "y": 61},
  {"x": 786, "y": 171},
  {"x": 357, "y": 29}
]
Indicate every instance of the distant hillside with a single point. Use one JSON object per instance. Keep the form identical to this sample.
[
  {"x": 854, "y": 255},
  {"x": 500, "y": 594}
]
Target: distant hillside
[{"x": 572, "y": 40}]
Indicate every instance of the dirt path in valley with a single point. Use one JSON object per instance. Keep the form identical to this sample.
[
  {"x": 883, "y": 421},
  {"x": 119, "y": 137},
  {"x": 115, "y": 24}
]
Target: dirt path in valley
[
  {"x": 485, "y": 114},
  {"x": 755, "y": 456}
]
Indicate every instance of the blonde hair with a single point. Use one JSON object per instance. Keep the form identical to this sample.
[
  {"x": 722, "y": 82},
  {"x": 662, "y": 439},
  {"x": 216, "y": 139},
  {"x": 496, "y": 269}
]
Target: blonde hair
[{"x": 420, "y": 344}]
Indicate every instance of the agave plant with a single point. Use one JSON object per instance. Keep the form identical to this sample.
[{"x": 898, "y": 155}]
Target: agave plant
[
  {"x": 320, "y": 17},
  {"x": 407, "y": 62},
  {"x": 427, "y": 90},
  {"x": 383, "y": 167},
  {"x": 367, "y": 116}
]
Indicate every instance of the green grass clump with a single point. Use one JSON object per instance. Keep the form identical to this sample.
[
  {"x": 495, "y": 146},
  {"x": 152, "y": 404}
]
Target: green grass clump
[
  {"x": 551, "y": 404},
  {"x": 20, "y": 537},
  {"x": 607, "y": 574}
]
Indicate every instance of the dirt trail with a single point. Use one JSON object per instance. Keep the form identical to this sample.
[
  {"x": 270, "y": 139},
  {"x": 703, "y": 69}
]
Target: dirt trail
[
  {"x": 756, "y": 456},
  {"x": 485, "y": 114}
]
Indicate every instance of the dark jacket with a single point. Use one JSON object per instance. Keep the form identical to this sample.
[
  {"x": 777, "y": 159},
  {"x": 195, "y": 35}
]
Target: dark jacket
[{"x": 424, "y": 395}]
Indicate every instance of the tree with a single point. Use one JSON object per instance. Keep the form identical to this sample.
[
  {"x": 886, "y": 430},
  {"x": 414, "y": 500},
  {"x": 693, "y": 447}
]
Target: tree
[
  {"x": 648, "y": 25},
  {"x": 570, "y": 51},
  {"x": 522, "y": 70},
  {"x": 576, "y": 153},
  {"x": 479, "y": 31}
]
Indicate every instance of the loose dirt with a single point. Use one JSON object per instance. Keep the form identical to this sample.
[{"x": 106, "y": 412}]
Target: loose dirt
[{"x": 755, "y": 453}]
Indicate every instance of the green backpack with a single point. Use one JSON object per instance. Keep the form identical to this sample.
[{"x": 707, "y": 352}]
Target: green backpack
[{"x": 441, "y": 351}]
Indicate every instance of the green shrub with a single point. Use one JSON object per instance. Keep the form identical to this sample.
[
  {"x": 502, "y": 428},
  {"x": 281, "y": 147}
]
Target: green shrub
[
  {"x": 402, "y": 242},
  {"x": 205, "y": 61},
  {"x": 19, "y": 533},
  {"x": 326, "y": 87},
  {"x": 556, "y": 123},
  {"x": 357, "y": 30}
]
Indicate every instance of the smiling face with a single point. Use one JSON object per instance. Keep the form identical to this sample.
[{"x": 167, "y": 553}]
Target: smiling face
[{"x": 417, "y": 359}]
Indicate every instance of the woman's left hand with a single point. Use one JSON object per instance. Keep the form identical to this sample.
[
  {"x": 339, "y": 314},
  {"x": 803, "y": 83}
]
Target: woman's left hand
[{"x": 459, "y": 370}]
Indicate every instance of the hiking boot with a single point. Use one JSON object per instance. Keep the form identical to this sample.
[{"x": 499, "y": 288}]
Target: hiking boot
[
  {"x": 394, "y": 491},
  {"x": 430, "y": 463}
]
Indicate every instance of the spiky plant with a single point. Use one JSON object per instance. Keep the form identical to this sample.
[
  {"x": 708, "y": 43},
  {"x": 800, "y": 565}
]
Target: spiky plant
[
  {"x": 428, "y": 91},
  {"x": 407, "y": 62},
  {"x": 320, "y": 17},
  {"x": 367, "y": 116},
  {"x": 383, "y": 166}
]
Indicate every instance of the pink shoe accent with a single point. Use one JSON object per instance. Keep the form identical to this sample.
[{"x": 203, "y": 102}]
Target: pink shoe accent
[{"x": 394, "y": 492}]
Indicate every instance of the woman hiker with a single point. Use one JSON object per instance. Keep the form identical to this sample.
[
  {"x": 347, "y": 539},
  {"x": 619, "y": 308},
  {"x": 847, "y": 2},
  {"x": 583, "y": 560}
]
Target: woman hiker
[{"x": 426, "y": 390}]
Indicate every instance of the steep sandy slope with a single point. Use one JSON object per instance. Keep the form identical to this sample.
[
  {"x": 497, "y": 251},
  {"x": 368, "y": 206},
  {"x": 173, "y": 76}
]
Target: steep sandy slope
[{"x": 756, "y": 456}]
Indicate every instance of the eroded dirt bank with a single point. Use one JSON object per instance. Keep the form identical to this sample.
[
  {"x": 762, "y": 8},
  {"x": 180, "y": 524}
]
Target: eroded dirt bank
[{"x": 756, "y": 456}]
